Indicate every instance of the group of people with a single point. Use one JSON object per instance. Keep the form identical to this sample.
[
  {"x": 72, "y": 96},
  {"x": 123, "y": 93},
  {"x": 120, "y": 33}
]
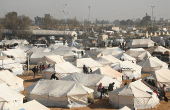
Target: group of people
[
  {"x": 103, "y": 91},
  {"x": 150, "y": 82},
  {"x": 36, "y": 69},
  {"x": 85, "y": 70}
]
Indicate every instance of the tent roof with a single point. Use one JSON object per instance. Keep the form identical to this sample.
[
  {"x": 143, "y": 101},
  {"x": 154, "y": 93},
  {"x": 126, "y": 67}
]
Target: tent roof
[
  {"x": 8, "y": 94},
  {"x": 91, "y": 79},
  {"x": 31, "y": 105},
  {"x": 89, "y": 62},
  {"x": 125, "y": 57},
  {"x": 109, "y": 51},
  {"x": 53, "y": 58},
  {"x": 9, "y": 78},
  {"x": 136, "y": 89},
  {"x": 111, "y": 59},
  {"x": 140, "y": 42},
  {"x": 160, "y": 49},
  {"x": 93, "y": 53},
  {"x": 125, "y": 108},
  {"x": 107, "y": 70},
  {"x": 57, "y": 88},
  {"x": 64, "y": 67},
  {"x": 75, "y": 44},
  {"x": 162, "y": 75}
]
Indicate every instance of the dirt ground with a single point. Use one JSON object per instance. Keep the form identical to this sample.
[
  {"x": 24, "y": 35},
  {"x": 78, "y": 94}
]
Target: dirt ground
[{"x": 98, "y": 104}]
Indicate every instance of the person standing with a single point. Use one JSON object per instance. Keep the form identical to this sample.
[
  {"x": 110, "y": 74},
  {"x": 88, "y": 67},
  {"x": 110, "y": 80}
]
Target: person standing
[
  {"x": 43, "y": 67},
  {"x": 34, "y": 71},
  {"x": 40, "y": 67},
  {"x": 100, "y": 87}
]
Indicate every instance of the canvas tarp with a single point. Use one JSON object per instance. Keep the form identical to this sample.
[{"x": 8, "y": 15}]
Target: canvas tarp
[
  {"x": 159, "y": 49},
  {"x": 125, "y": 108},
  {"x": 51, "y": 59},
  {"x": 9, "y": 98},
  {"x": 75, "y": 44},
  {"x": 126, "y": 57},
  {"x": 18, "y": 54},
  {"x": 107, "y": 70},
  {"x": 113, "y": 52},
  {"x": 137, "y": 43},
  {"x": 92, "y": 81},
  {"x": 88, "y": 62},
  {"x": 92, "y": 54},
  {"x": 11, "y": 80},
  {"x": 138, "y": 53},
  {"x": 128, "y": 69},
  {"x": 60, "y": 93},
  {"x": 31, "y": 105},
  {"x": 62, "y": 70},
  {"x": 152, "y": 64},
  {"x": 134, "y": 95}
]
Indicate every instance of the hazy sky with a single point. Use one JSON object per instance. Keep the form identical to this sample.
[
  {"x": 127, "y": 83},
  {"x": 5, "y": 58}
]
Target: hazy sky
[{"x": 100, "y": 9}]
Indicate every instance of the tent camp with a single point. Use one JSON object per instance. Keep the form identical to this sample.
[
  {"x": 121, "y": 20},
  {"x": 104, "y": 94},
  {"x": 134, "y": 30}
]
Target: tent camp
[
  {"x": 103, "y": 61},
  {"x": 162, "y": 76},
  {"x": 18, "y": 54},
  {"x": 51, "y": 59},
  {"x": 9, "y": 97},
  {"x": 128, "y": 69},
  {"x": 14, "y": 66},
  {"x": 13, "y": 41},
  {"x": 31, "y": 105},
  {"x": 152, "y": 64},
  {"x": 62, "y": 70},
  {"x": 107, "y": 70},
  {"x": 126, "y": 57},
  {"x": 138, "y": 53},
  {"x": 137, "y": 43},
  {"x": 11, "y": 80},
  {"x": 75, "y": 44},
  {"x": 59, "y": 94},
  {"x": 88, "y": 62},
  {"x": 134, "y": 95},
  {"x": 92, "y": 81}
]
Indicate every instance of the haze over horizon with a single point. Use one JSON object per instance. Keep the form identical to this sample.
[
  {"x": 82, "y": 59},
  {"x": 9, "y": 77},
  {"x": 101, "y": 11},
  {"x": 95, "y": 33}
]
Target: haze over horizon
[{"x": 100, "y": 9}]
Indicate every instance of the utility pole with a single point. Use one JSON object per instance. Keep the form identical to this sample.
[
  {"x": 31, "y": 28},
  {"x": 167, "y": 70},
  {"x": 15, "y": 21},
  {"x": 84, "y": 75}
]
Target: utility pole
[
  {"x": 152, "y": 16},
  {"x": 146, "y": 23},
  {"x": 65, "y": 14}
]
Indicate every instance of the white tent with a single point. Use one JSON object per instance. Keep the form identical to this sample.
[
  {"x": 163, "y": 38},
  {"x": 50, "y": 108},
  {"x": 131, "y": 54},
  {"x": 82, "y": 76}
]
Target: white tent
[
  {"x": 137, "y": 43},
  {"x": 13, "y": 41},
  {"x": 9, "y": 98},
  {"x": 125, "y": 108},
  {"x": 18, "y": 54},
  {"x": 128, "y": 69},
  {"x": 139, "y": 53},
  {"x": 25, "y": 48},
  {"x": 62, "y": 70},
  {"x": 159, "y": 49},
  {"x": 134, "y": 95},
  {"x": 92, "y": 54},
  {"x": 107, "y": 70},
  {"x": 88, "y": 62},
  {"x": 31, "y": 105},
  {"x": 152, "y": 64},
  {"x": 75, "y": 44},
  {"x": 14, "y": 66},
  {"x": 51, "y": 59},
  {"x": 113, "y": 52},
  {"x": 163, "y": 77},
  {"x": 11, "y": 80},
  {"x": 126, "y": 57},
  {"x": 60, "y": 93},
  {"x": 92, "y": 81}
]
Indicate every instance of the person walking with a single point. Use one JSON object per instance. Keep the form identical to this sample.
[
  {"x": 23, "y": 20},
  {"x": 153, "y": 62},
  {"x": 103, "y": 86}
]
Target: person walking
[
  {"x": 34, "y": 71},
  {"x": 100, "y": 89},
  {"x": 40, "y": 67}
]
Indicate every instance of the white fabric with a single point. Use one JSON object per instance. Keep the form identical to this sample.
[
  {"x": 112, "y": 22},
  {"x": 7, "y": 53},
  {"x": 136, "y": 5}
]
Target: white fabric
[
  {"x": 19, "y": 55},
  {"x": 126, "y": 57},
  {"x": 92, "y": 54},
  {"x": 152, "y": 64},
  {"x": 75, "y": 44},
  {"x": 88, "y": 62},
  {"x": 107, "y": 70},
  {"x": 31, "y": 105},
  {"x": 51, "y": 59},
  {"x": 125, "y": 108},
  {"x": 160, "y": 49},
  {"x": 136, "y": 43},
  {"x": 10, "y": 42},
  {"x": 62, "y": 70},
  {"x": 11, "y": 80},
  {"x": 13, "y": 65},
  {"x": 133, "y": 95},
  {"x": 138, "y": 53},
  {"x": 92, "y": 81},
  {"x": 128, "y": 69},
  {"x": 60, "y": 93},
  {"x": 9, "y": 98},
  {"x": 112, "y": 52}
]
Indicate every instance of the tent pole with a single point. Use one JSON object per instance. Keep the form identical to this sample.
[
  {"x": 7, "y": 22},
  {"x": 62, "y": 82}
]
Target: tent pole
[{"x": 28, "y": 64}]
